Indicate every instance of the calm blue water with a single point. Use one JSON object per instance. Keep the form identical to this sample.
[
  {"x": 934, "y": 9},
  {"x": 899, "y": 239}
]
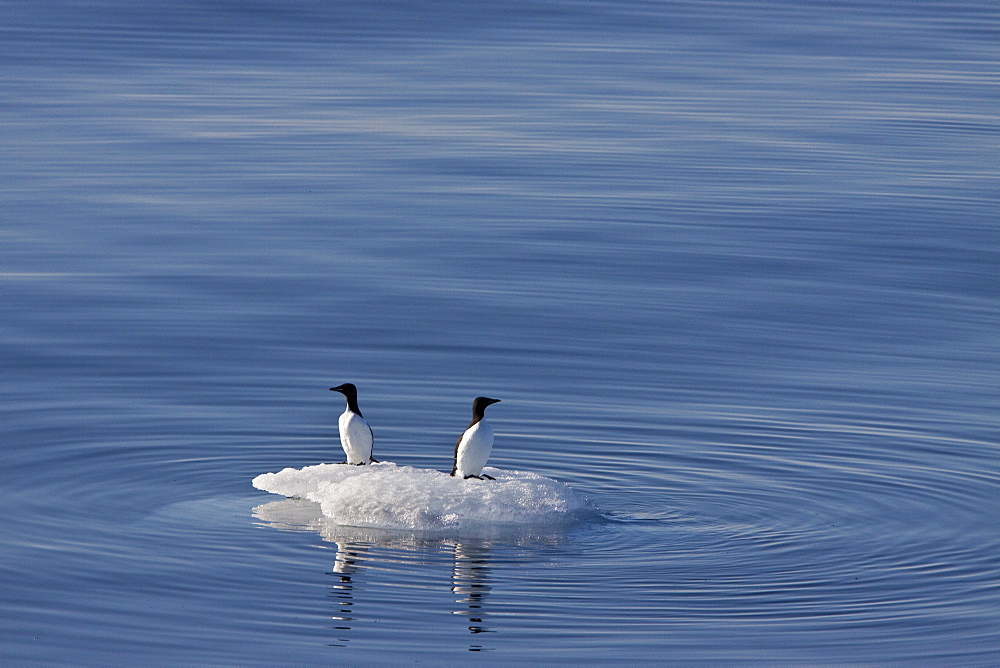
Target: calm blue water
[{"x": 731, "y": 267}]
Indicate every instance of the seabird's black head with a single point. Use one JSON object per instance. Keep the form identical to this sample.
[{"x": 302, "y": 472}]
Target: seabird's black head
[
  {"x": 351, "y": 392},
  {"x": 479, "y": 405}
]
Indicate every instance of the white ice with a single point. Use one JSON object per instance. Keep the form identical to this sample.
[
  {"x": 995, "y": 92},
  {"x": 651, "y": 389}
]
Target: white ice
[{"x": 388, "y": 496}]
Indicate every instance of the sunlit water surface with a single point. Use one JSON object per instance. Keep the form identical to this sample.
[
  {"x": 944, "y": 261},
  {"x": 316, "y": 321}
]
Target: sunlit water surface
[{"x": 731, "y": 268}]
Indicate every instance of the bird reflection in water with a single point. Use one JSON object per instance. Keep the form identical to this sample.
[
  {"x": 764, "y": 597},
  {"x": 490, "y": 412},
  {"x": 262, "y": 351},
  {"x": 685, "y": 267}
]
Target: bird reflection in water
[
  {"x": 345, "y": 565},
  {"x": 470, "y": 575},
  {"x": 470, "y": 581}
]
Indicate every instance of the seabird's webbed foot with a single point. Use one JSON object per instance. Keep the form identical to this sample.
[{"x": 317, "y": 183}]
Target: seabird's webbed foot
[
  {"x": 341, "y": 462},
  {"x": 473, "y": 476},
  {"x": 360, "y": 464},
  {"x": 488, "y": 477}
]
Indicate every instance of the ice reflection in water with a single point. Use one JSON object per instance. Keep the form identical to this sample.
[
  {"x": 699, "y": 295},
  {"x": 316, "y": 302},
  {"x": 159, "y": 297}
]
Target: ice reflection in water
[{"x": 380, "y": 558}]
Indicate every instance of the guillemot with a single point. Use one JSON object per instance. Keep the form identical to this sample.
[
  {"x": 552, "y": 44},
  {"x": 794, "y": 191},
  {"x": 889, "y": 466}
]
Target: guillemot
[
  {"x": 355, "y": 435},
  {"x": 474, "y": 445}
]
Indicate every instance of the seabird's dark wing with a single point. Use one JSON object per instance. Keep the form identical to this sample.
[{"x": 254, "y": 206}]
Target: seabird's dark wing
[{"x": 373, "y": 443}]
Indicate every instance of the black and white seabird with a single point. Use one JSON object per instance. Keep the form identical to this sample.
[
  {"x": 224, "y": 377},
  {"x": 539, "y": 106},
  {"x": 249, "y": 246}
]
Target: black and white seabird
[
  {"x": 474, "y": 446},
  {"x": 355, "y": 435}
]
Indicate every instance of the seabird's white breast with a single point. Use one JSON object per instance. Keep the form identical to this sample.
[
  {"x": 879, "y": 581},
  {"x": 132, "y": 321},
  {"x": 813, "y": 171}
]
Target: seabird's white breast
[
  {"x": 474, "y": 449},
  {"x": 356, "y": 437}
]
